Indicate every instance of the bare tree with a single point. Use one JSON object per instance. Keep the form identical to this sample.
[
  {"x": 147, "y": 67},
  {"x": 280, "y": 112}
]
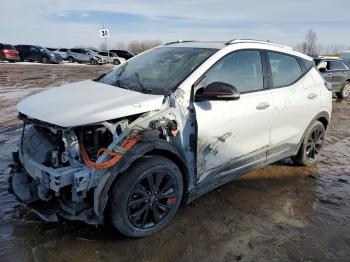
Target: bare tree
[
  {"x": 118, "y": 45},
  {"x": 103, "y": 46},
  {"x": 333, "y": 50},
  {"x": 138, "y": 47},
  {"x": 309, "y": 46}
]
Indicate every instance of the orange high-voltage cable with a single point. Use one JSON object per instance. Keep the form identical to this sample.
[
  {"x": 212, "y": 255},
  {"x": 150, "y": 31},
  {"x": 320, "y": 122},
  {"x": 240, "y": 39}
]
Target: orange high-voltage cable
[{"x": 126, "y": 144}]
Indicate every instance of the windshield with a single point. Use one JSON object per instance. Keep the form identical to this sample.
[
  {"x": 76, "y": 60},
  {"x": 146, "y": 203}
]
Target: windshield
[{"x": 158, "y": 71}]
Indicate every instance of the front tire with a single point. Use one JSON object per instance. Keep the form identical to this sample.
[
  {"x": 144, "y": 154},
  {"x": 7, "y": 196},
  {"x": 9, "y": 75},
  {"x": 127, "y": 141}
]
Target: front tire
[
  {"x": 116, "y": 62},
  {"x": 345, "y": 91},
  {"x": 310, "y": 149},
  {"x": 93, "y": 61},
  {"x": 146, "y": 197}
]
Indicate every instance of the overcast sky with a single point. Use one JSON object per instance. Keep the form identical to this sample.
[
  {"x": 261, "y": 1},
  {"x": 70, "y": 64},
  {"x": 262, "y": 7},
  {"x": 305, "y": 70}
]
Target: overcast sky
[{"x": 68, "y": 23}]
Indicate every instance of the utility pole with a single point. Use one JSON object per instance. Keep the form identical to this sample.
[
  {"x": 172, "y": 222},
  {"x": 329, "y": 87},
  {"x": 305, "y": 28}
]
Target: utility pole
[{"x": 104, "y": 33}]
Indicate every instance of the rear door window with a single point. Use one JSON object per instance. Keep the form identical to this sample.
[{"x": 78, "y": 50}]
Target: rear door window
[
  {"x": 285, "y": 69},
  {"x": 335, "y": 65},
  {"x": 32, "y": 49}
]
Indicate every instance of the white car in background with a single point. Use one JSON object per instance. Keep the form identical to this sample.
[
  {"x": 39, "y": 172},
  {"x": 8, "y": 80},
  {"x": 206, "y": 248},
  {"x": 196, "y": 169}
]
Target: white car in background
[
  {"x": 62, "y": 52},
  {"x": 84, "y": 55},
  {"x": 112, "y": 57}
]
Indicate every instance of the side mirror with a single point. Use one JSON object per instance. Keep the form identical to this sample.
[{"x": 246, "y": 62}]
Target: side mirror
[
  {"x": 217, "y": 91},
  {"x": 322, "y": 70}
]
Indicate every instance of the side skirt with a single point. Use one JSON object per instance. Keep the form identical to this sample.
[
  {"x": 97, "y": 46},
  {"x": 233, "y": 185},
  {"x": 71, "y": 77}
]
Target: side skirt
[{"x": 241, "y": 167}]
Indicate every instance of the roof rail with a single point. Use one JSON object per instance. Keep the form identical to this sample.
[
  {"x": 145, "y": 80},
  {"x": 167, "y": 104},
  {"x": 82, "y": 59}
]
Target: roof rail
[
  {"x": 180, "y": 41},
  {"x": 236, "y": 41}
]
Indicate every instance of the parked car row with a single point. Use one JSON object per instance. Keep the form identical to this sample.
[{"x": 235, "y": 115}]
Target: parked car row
[
  {"x": 92, "y": 56},
  {"x": 33, "y": 53},
  {"x": 38, "y": 54}
]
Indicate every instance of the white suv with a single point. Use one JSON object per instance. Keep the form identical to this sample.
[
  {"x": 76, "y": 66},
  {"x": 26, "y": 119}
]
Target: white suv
[
  {"x": 83, "y": 55},
  {"x": 167, "y": 126}
]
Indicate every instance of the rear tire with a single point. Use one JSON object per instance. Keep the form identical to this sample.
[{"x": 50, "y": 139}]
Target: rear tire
[
  {"x": 310, "y": 149},
  {"x": 71, "y": 59},
  {"x": 116, "y": 62},
  {"x": 146, "y": 197},
  {"x": 45, "y": 60},
  {"x": 345, "y": 91}
]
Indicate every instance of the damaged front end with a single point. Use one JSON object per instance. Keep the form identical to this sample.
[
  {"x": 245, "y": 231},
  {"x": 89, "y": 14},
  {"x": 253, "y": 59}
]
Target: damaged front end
[
  {"x": 54, "y": 174},
  {"x": 61, "y": 171}
]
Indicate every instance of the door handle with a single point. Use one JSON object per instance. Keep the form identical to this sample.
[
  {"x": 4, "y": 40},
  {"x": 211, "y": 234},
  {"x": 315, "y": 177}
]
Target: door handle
[
  {"x": 312, "y": 96},
  {"x": 330, "y": 74},
  {"x": 262, "y": 106}
]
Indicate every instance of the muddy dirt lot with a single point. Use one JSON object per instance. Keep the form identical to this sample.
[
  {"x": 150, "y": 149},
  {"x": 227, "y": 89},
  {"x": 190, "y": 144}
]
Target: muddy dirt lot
[{"x": 278, "y": 213}]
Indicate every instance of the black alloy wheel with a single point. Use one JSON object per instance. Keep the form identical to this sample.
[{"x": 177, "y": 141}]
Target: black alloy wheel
[
  {"x": 314, "y": 143},
  {"x": 311, "y": 147},
  {"x": 146, "y": 197},
  {"x": 151, "y": 200}
]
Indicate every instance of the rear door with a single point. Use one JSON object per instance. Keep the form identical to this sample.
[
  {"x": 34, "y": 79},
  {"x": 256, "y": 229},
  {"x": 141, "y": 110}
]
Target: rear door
[
  {"x": 33, "y": 53},
  {"x": 79, "y": 55},
  {"x": 323, "y": 67},
  {"x": 24, "y": 51},
  {"x": 233, "y": 135},
  {"x": 296, "y": 99},
  {"x": 85, "y": 56},
  {"x": 62, "y": 52},
  {"x": 339, "y": 73}
]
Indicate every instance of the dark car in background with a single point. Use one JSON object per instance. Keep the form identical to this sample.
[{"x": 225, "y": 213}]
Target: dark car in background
[
  {"x": 37, "y": 53},
  {"x": 8, "y": 53},
  {"x": 123, "y": 53},
  {"x": 336, "y": 72}
]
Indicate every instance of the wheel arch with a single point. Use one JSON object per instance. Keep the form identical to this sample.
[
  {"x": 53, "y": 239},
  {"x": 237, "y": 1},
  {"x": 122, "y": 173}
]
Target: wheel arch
[
  {"x": 324, "y": 120},
  {"x": 323, "y": 117},
  {"x": 142, "y": 149}
]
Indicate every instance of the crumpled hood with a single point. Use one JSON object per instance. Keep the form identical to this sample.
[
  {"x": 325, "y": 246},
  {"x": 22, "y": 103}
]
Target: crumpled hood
[{"x": 86, "y": 102}]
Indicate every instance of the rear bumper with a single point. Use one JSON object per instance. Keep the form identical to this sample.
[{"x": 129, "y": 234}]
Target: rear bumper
[{"x": 10, "y": 58}]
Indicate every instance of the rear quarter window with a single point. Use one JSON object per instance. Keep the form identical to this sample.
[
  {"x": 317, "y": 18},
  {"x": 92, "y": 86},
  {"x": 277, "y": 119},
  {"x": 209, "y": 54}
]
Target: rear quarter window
[
  {"x": 285, "y": 69},
  {"x": 308, "y": 64}
]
